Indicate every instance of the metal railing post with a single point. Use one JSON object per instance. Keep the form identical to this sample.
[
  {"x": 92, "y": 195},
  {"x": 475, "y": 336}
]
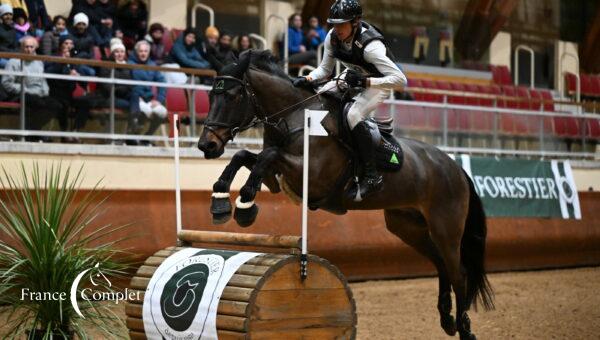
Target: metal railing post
[
  {"x": 111, "y": 123},
  {"x": 286, "y": 51},
  {"x": 22, "y": 102},
  {"x": 495, "y": 142},
  {"x": 192, "y": 108},
  {"x": 211, "y": 13},
  {"x": 445, "y": 122},
  {"x": 516, "y": 57}
]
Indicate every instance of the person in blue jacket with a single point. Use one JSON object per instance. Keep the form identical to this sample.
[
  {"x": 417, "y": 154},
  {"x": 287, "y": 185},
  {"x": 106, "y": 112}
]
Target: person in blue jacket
[
  {"x": 298, "y": 53},
  {"x": 315, "y": 34},
  {"x": 184, "y": 51},
  {"x": 144, "y": 100}
]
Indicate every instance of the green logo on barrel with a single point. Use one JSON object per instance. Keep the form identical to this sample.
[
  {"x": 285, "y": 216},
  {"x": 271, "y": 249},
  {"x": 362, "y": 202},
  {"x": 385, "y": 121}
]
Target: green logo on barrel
[{"x": 394, "y": 159}]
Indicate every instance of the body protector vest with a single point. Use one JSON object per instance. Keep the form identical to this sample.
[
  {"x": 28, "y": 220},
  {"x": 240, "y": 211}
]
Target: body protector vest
[{"x": 355, "y": 55}]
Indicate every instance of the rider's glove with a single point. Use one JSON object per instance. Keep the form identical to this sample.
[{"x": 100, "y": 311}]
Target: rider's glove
[
  {"x": 300, "y": 81},
  {"x": 356, "y": 79}
]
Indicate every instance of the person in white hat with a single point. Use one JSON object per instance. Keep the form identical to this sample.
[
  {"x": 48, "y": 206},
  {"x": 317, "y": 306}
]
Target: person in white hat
[
  {"x": 84, "y": 42},
  {"x": 8, "y": 35}
]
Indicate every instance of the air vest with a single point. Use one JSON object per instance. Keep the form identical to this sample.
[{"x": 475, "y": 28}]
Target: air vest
[{"x": 356, "y": 54}]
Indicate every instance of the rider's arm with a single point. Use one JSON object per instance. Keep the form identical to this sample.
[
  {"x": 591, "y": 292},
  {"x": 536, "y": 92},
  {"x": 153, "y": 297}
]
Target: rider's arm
[
  {"x": 327, "y": 64},
  {"x": 375, "y": 53}
]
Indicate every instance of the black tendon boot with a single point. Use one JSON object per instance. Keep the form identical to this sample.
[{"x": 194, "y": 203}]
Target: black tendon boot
[
  {"x": 134, "y": 123},
  {"x": 155, "y": 122},
  {"x": 367, "y": 142}
]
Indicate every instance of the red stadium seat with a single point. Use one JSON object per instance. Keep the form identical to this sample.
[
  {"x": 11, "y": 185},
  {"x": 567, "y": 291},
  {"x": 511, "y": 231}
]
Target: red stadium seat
[
  {"x": 416, "y": 83},
  {"x": 509, "y": 91},
  {"x": 571, "y": 82},
  {"x": 566, "y": 127},
  {"x": 492, "y": 90},
  {"x": 523, "y": 94},
  {"x": 595, "y": 85},
  {"x": 97, "y": 53},
  {"x": 460, "y": 99},
  {"x": 586, "y": 84},
  {"x": 177, "y": 102},
  {"x": 501, "y": 74},
  {"x": 593, "y": 129},
  {"x": 431, "y": 97},
  {"x": 473, "y": 89},
  {"x": 167, "y": 40},
  {"x": 79, "y": 91},
  {"x": 202, "y": 104},
  {"x": 547, "y": 96}
]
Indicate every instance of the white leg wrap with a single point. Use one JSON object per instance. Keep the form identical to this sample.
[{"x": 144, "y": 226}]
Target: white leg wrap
[
  {"x": 240, "y": 205},
  {"x": 220, "y": 195}
]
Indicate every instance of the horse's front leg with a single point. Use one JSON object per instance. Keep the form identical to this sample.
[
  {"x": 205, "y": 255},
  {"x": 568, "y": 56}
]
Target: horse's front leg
[
  {"x": 220, "y": 207},
  {"x": 245, "y": 208}
]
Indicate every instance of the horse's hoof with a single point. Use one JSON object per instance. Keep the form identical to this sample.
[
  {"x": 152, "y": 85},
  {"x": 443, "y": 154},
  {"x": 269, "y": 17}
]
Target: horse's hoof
[
  {"x": 467, "y": 336},
  {"x": 448, "y": 324},
  {"x": 245, "y": 213},
  {"x": 220, "y": 208}
]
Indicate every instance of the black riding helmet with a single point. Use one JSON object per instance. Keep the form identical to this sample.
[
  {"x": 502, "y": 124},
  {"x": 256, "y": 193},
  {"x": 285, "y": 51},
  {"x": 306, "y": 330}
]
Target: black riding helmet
[{"x": 343, "y": 11}]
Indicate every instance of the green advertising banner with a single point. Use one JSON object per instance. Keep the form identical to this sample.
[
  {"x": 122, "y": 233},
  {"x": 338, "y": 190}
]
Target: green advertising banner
[{"x": 523, "y": 188}]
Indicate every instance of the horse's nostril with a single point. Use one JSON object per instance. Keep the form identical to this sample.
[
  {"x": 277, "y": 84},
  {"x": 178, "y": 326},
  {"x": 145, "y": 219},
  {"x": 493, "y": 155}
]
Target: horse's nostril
[{"x": 211, "y": 146}]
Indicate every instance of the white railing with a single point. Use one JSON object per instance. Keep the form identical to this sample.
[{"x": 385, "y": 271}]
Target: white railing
[{"x": 211, "y": 14}]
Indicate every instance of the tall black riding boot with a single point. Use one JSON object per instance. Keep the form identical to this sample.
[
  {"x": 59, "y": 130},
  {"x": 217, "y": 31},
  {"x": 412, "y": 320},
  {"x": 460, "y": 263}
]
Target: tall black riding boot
[{"x": 371, "y": 181}]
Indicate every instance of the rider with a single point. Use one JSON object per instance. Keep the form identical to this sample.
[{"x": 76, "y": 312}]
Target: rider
[{"x": 362, "y": 50}]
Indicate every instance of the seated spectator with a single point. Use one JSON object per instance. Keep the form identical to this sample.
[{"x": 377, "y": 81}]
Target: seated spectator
[
  {"x": 84, "y": 42},
  {"x": 8, "y": 35},
  {"x": 87, "y": 7},
  {"x": 101, "y": 97},
  {"x": 38, "y": 14},
  {"x": 242, "y": 43},
  {"x": 184, "y": 51},
  {"x": 143, "y": 100},
  {"x": 211, "y": 39},
  {"x": 221, "y": 54},
  {"x": 50, "y": 39},
  {"x": 133, "y": 21},
  {"x": 22, "y": 25},
  {"x": 39, "y": 107},
  {"x": 14, "y": 4},
  {"x": 315, "y": 35},
  {"x": 298, "y": 53},
  {"x": 158, "y": 52},
  {"x": 62, "y": 90}
]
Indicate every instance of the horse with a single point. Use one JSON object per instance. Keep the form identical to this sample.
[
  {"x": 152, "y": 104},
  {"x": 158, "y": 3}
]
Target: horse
[{"x": 430, "y": 203}]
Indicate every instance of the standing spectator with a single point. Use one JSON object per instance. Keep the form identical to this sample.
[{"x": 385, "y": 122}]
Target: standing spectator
[
  {"x": 22, "y": 25},
  {"x": 143, "y": 100},
  {"x": 62, "y": 90},
  {"x": 8, "y": 35},
  {"x": 298, "y": 53},
  {"x": 101, "y": 97},
  {"x": 242, "y": 43},
  {"x": 84, "y": 42},
  {"x": 39, "y": 107},
  {"x": 158, "y": 52},
  {"x": 315, "y": 35},
  {"x": 105, "y": 9},
  {"x": 50, "y": 39},
  {"x": 104, "y": 34},
  {"x": 133, "y": 21},
  {"x": 14, "y": 4},
  {"x": 184, "y": 51},
  {"x": 38, "y": 14},
  {"x": 87, "y": 7}
]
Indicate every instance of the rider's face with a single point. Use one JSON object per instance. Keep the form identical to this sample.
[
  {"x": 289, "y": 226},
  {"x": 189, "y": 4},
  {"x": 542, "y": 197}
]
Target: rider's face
[{"x": 343, "y": 30}]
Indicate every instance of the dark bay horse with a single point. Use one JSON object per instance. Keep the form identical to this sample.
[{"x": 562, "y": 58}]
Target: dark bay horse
[{"x": 430, "y": 203}]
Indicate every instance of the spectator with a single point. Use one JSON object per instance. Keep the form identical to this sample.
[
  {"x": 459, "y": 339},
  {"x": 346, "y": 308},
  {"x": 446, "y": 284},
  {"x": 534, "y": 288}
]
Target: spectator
[
  {"x": 242, "y": 43},
  {"x": 38, "y": 14},
  {"x": 219, "y": 53},
  {"x": 315, "y": 35},
  {"x": 8, "y": 35},
  {"x": 105, "y": 9},
  {"x": 184, "y": 51},
  {"x": 143, "y": 100},
  {"x": 62, "y": 90},
  {"x": 50, "y": 39},
  {"x": 211, "y": 39},
  {"x": 101, "y": 97},
  {"x": 39, "y": 108},
  {"x": 14, "y": 4},
  {"x": 84, "y": 42},
  {"x": 158, "y": 52},
  {"x": 298, "y": 54},
  {"x": 87, "y": 7},
  {"x": 22, "y": 25},
  {"x": 133, "y": 21},
  {"x": 104, "y": 35}
]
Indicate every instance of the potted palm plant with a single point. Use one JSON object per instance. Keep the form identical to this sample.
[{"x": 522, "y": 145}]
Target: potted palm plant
[{"x": 47, "y": 239}]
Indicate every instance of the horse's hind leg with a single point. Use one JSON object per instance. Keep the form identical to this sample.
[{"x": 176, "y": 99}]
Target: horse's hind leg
[
  {"x": 411, "y": 227},
  {"x": 220, "y": 206},
  {"x": 446, "y": 227},
  {"x": 246, "y": 210}
]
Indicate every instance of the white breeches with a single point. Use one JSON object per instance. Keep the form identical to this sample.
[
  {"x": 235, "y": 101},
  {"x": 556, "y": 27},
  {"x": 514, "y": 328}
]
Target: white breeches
[{"x": 148, "y": 110}]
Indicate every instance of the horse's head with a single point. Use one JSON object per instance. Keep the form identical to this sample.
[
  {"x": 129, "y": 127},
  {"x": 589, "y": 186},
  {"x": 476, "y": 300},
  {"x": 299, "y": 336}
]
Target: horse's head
[{"x": 231, "y": 108}]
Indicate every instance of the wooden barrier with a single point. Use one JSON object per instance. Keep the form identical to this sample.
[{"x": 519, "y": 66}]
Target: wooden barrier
[{"x": 265, "y": 298}]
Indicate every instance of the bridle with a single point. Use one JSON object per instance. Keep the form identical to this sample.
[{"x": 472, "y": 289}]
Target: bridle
[{"x": 248, "y": 92}]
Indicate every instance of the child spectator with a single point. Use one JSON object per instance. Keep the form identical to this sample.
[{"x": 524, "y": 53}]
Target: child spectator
[
  {"x": 22, "y": 25},
  {"x": 50, "y": 39}
]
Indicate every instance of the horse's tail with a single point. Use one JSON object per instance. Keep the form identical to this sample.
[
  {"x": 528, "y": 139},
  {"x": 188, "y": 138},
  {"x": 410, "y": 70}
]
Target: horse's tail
[{"x": 472, "y": 253}]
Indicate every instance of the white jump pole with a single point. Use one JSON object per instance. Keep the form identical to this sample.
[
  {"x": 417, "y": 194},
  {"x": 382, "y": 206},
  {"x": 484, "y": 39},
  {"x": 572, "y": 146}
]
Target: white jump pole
[
  {"x": 304, "y": 255},
  {"x": 177, "y": 184}
]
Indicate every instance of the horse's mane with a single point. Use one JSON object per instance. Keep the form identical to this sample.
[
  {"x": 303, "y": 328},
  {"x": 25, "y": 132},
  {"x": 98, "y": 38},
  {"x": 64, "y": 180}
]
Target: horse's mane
[{"x": 262, "y": 60}]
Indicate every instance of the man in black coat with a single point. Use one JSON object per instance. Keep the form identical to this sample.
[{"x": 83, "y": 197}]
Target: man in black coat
[
  {"x": 8, "y": 35},
  {"x": 84, "y": 42}
]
